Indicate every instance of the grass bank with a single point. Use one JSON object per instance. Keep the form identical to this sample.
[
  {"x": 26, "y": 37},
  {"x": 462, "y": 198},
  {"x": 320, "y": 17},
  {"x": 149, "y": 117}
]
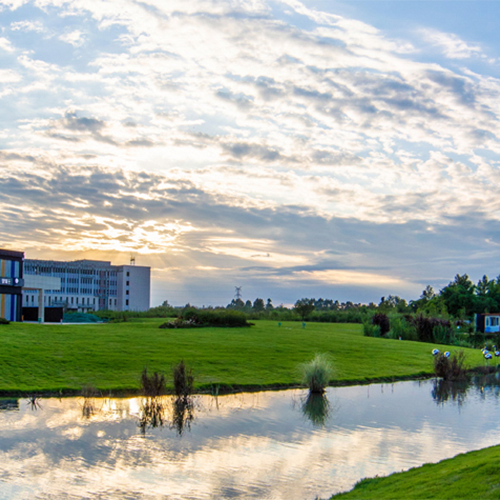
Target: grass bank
[
  {"x": 111, "y": 357},
  {"x": 468, "y": 476}
]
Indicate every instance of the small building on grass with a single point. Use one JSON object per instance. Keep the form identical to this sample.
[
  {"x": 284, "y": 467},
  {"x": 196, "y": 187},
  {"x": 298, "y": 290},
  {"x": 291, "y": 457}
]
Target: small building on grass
[{"x": 488, "y": 323}]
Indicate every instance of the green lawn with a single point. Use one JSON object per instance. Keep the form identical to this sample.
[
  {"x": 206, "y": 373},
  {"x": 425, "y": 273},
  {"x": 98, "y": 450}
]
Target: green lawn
[
  {"x": 112, "y": 356},
  {"x": 468, "y": 476}
]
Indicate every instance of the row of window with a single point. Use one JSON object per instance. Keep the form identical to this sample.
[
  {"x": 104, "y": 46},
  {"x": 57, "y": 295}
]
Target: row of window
[
  {"x": 34, "y": 269},
  {"x": 30, "y": 300}
]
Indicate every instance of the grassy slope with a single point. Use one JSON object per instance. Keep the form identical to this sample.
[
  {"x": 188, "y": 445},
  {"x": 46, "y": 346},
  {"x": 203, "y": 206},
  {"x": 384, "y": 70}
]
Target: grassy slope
[
  {"x": 468, "y": 476},
  {"x": 111, "y": 356}
]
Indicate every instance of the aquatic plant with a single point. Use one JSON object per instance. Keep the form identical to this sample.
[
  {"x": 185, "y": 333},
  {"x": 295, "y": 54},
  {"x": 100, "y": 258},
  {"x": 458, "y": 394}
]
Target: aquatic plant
[
  {"x": 153, "y": 385},
  {"x": 316, "y": 374}
]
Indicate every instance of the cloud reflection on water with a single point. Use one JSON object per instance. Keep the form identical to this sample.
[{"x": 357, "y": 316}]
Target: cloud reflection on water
[{"x": 253, "y": 445}]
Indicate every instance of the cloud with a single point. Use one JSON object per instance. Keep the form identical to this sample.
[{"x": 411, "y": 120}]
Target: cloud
[
  {"x": 223, "y": 135},
  {"x": 451, "y": 45}
]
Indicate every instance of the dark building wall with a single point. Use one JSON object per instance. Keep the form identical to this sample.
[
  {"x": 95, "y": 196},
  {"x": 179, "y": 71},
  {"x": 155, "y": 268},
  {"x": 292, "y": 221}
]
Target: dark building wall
[
  {"x": 11, "y": 266},
  {"x": 50, "y": 314}
]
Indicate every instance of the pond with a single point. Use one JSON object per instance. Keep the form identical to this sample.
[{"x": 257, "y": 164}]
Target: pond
[{"x": 266, "y": 445}]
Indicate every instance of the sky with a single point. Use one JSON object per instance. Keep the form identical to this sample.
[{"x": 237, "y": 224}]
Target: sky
[{"x": 337, "y": 149}]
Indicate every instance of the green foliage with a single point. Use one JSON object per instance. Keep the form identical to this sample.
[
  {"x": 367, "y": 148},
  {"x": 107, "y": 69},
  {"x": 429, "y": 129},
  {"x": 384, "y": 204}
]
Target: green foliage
[
  {"x": 197, "y": 318},
  {"x": 402, "y": 328},
  {"x": 316, "y": 374},
  {"x": 304, "y": 307},
  {"x": 37, "y": 358},
  {"x": 4, "y": 321},
  {"x": 371, "y": 330}
]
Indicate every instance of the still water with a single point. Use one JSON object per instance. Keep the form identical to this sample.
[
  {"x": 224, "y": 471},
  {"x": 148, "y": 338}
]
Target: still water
[{"x": 267, "y": 445}]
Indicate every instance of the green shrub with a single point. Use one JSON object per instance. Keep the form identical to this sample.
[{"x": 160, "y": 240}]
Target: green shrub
[
  {"x": 4, "y": 321},
  {"x": 402, "y": 329},
  {"x": 371, "y": 330},
  {"x": 316, "y": 374}
]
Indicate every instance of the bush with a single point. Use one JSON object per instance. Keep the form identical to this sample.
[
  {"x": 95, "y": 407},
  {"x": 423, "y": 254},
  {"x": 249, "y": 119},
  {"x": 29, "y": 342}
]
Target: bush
[
  {"x": 434, "y": 330},
  {"x": 195, "y": 318},
  {"x": 316, "y": 374},
  {"x": 452, "y": 368},
  {"x": 402, "y": 329},
  {"x": 381, "y": 320},
  {"x": 371, "y": 330},
  {"x": 4, "y": 321}
]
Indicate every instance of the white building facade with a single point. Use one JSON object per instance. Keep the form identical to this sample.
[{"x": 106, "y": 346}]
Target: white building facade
[{"x": 91, "y": 285}]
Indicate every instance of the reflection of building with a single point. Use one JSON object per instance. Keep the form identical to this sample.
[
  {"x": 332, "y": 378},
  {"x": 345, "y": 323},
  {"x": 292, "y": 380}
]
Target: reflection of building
[
  {"x": 11, "y": 281},
  {"x": 90, "y": 285}
]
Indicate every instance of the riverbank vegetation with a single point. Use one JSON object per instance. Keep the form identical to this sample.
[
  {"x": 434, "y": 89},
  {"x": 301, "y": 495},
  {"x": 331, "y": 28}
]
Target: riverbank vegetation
[
  {"x": 111, "y": 357},
  {"x": 467, "y": 476}
]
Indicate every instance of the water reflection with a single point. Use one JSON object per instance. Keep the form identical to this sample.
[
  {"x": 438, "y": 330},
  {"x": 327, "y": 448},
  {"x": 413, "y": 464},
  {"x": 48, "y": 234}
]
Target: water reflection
[
  {"x": 9, "y": 405},
  {"x": 316, "y": 408},
  {"x": 445, "y": 390},
  {"x": 183, "y": 414},
  {"x": 160, "y": 411},
  {"x": 458, "y": 392},
  {"x": 34, "y": 402},
  {"x": 281, "y": 444},
  {"x": 153, "y": 413}
]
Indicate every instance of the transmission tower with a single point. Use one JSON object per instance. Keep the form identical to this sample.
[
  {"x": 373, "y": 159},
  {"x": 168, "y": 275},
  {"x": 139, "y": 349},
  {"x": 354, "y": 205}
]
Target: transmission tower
[{"x": 237, "y": 294}]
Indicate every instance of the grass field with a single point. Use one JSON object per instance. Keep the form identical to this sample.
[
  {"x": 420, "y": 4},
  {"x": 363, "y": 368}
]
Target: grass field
[
  {"x": 473, "y": 475},
  {"x": 43, "y": 358}
]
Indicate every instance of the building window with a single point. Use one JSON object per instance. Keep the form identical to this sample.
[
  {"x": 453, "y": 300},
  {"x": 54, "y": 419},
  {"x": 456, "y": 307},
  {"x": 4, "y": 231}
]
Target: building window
[
  {"x": 93, "y": 301},
  {"x": 115, "y": 302},
  {"x": 126, "y": 302},
  {"x": 127, "y": 292},
  {"x": 128, "y": 283},
  {"x": 128, "y": 274}
]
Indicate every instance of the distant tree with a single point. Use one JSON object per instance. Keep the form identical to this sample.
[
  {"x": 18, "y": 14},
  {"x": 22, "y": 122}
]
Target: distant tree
[
  {"x": 269, "y": 305},
  {"x": 165, "y": 304},
  {"x": 304, "y": 307},
  {"x": 258, "y": 305},
  {"x": 236, "y": 304},
  {"x": 248, "y": 304}
]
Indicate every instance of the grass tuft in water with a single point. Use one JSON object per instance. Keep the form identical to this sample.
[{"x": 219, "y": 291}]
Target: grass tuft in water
[{"x": 316, "y": 374}]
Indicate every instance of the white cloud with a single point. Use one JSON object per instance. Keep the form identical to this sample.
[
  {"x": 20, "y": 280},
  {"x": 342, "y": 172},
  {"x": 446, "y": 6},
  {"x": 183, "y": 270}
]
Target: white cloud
[{"x": 452, "y": 45}]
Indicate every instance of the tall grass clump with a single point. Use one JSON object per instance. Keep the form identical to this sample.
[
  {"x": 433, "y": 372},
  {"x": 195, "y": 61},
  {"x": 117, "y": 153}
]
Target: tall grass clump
[
  {"x": 452, "y": 368},
  {"x": 152, "y": 385},
  {"x": 371, "y": 330},
  {"x": 402, "y": 329},
  {"x": 183, "y": 380},
  {"x": 316, "y": 374}
]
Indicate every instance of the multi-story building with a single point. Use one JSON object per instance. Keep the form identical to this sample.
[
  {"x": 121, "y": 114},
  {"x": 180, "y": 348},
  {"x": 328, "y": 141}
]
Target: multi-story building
[
  {"x": 91, "y": 285},
  {"x": 11, "y": 282}
]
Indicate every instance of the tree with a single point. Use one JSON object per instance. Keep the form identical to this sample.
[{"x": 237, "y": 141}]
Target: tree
[
  {"x": 258, "y": 305},
  {"x": 269, "y": 305},
  {"x": 304, "y": 307}
]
